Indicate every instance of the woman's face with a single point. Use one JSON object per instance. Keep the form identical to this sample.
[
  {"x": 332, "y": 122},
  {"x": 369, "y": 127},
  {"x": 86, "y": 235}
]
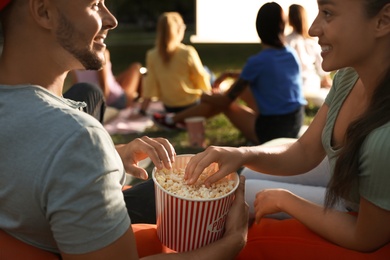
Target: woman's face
[{"x": 345, "y": 33}]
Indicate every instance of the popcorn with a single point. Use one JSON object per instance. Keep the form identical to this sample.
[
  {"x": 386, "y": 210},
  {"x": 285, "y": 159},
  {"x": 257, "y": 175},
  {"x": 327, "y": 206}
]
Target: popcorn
[
  {"x": 191, "y": 216},
  {"x": 173, "y": 181}
]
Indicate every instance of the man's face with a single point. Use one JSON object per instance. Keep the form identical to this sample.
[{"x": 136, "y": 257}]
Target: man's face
[{"x": 82, "y": 31}]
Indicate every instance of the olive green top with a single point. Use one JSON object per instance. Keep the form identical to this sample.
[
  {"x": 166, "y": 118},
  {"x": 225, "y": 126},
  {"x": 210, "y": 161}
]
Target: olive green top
[{"x": 374, "y": 166}]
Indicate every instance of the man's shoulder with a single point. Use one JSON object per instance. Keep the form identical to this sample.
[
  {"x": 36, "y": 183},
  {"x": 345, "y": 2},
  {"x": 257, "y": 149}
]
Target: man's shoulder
[{"x": 37, "y": 105}]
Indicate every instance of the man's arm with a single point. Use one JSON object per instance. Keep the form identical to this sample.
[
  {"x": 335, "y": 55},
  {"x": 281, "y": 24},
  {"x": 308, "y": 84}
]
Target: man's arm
[{"x": 122, "y": 248}]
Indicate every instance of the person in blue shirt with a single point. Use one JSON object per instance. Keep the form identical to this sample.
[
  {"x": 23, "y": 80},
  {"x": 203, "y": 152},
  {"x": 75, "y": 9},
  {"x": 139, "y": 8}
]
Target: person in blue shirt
[
  {"x": 351, "y": 130},
  {"x": 274, "y": 79}
]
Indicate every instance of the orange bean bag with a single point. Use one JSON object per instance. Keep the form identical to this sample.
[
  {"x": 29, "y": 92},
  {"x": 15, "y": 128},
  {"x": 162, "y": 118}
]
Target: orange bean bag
[
  {"x": 147, "y": 240},
  {"x": 14, "y": 249},
  {"x": 290, "y": 239},
  {"x": 270, "y": 239}
]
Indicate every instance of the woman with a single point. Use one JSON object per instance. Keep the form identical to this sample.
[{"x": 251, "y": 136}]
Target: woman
[
  {"x": 274, "y": 80},
  {"x": 120, "y": 90},
  {"x": 175, "y": 75},
  {"x": 316, "y": 82},
  {"x": 352, "y": 128}
]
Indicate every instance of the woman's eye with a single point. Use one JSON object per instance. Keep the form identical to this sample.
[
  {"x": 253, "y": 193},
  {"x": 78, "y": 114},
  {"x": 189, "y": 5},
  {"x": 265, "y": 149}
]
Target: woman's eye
[
  {"x": 96, "y": 6},
  {"x": 326, "y": 13}
]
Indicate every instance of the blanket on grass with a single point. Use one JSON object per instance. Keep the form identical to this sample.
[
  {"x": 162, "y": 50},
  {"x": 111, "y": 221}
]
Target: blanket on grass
[{"x": 128, "y": 121}]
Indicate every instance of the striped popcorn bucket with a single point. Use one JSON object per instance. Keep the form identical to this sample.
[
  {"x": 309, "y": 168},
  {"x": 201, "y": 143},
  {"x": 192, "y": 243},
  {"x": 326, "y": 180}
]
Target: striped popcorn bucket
[{"x": 186, "y": 224}]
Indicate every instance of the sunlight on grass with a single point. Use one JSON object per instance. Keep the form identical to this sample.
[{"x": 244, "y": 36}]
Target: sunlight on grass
[
  {"x": 219, "y": 131},
  {"x": 131, "y": 45}
]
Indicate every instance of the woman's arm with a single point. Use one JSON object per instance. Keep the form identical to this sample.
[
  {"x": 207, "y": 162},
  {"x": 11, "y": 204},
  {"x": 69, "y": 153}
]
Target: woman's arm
[
  {"x": 366, "y": 232},
  {"x": 220, "y": 101},
  {"x": 144, "y": 106},
  {"x": 237, "y": 88},
  {"x": 198, "y": 75},
  {"x": 225, "y": 75},
  {"x": 292, "y": 159}
]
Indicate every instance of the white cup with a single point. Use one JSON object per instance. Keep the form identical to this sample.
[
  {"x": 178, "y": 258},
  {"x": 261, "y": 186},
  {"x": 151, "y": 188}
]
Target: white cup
[{"x": 196, "y": 131}]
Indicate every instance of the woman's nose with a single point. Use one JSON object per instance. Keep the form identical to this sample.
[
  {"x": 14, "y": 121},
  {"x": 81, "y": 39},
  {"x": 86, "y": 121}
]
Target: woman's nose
[{"x": 315, "y": 30}]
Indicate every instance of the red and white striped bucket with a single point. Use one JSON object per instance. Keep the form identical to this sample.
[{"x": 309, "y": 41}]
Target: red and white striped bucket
[{"x": 186, "y": 224}]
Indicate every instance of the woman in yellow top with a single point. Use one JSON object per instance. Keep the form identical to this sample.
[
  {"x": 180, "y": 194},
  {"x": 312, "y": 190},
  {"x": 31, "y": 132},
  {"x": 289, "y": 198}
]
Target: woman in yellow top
[{"x": 176, "y": 75}]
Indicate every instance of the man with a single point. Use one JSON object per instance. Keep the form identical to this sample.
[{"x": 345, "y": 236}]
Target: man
[{"x": 60, "y": 173}]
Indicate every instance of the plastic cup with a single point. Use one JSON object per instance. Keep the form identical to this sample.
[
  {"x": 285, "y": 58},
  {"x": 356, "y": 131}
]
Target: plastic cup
[
  {"x": 196, "y": 131},
  {"x": 186, "y": 224}
]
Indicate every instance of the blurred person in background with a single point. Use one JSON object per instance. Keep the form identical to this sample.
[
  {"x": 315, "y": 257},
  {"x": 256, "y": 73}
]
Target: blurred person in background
[
  {"x": 176, "y": 75},
  {"x": 316, "y": 82},
  {"x": 275, "y": 83},
  {"x": 120, "y": 91},
  {"x": 351, "y": 130}
]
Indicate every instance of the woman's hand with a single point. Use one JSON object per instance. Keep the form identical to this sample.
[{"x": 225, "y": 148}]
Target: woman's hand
[
  {"x": 228, "y": 159},
  {"x": 159, "y": 150},
  {"x": 269, "y": 201}
]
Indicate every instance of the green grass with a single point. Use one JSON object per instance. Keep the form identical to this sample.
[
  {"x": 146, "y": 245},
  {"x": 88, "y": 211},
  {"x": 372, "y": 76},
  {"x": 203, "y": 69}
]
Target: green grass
[
  {"x": 129, "y": 45},
  {"x": 218, "y": 131}
]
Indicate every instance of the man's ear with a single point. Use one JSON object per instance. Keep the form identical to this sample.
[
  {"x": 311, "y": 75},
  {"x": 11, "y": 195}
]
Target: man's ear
[
  {"x": 383, "y": 24},
  {"x": 41, "y": 12}
]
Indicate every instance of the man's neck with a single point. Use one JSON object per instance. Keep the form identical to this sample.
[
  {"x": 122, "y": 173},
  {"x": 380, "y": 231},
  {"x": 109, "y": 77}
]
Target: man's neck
[{"x": 22, "y": 73}]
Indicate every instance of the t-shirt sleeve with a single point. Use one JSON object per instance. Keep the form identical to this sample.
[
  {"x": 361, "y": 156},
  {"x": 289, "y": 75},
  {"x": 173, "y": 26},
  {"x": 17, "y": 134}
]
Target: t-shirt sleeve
[
  {"x": 251, "y": 69},
  {"x": 374, "y": 175},
  {"x": 198, "y": 74},
  {"x": 83, "y": 196}
]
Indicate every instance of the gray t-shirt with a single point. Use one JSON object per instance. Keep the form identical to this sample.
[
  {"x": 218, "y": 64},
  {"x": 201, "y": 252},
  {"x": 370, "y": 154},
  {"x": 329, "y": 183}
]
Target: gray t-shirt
[{"x": 60, "y": 175}]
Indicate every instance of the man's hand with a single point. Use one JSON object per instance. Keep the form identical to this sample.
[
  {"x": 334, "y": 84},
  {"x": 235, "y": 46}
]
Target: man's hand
[
  {"x": 237, "y": 220},
  {"x": 159, "y": 150}
]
